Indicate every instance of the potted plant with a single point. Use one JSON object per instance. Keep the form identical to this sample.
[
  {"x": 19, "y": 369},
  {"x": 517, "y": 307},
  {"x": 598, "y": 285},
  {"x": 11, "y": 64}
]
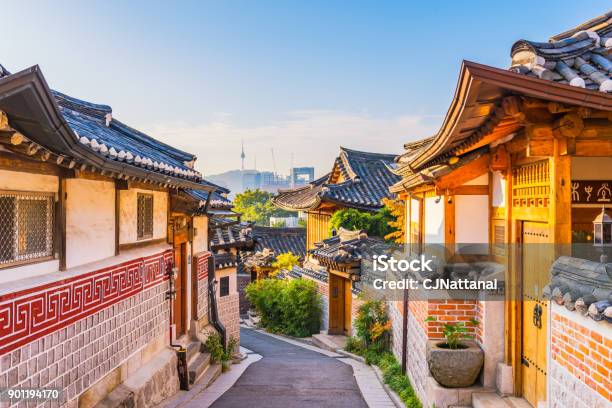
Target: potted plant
[
  {"x": 457, "y": 361},
  {"x": 226, "y": 357}
]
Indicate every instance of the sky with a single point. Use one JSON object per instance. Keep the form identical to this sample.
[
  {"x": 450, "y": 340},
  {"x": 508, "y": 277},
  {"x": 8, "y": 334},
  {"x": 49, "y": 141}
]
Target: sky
[{"x": 299, "y": 77}]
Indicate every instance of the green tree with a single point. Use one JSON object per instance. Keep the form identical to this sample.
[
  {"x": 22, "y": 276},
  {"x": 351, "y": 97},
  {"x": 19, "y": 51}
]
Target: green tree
[
  {"x": 375, "y": 224},
  {"x": 256, "y": 206},
  {"x": 285, "y": 261}
]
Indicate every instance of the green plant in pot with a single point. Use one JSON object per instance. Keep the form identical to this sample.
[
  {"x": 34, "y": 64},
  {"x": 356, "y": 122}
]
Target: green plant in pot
[{"x": 457, "y": 361}]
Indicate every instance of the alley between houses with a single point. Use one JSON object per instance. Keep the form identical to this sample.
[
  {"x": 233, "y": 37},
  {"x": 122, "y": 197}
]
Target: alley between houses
[{"x": 291, "y": 376}]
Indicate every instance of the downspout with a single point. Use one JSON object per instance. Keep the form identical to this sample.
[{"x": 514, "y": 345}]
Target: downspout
[
  {"x": 212, "y": 302},
  {"x": 405, "y": 330}
]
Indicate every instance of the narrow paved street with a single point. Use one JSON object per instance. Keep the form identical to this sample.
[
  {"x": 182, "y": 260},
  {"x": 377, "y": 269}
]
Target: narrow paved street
[{"x": 291, "y": 376}]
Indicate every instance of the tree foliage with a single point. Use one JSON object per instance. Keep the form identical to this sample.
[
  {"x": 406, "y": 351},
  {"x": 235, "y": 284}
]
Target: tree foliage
[
  {"x": 256, "y": 206},
  {"x": 397, "y": 211},
  {"x": 375, "y": 224},
  {"x": 285, "y": 261},
  {"x": 291, "y": 306}
]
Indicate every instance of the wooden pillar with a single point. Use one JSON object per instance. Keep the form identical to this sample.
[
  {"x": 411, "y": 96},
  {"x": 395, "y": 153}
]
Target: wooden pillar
[
  {"x": 560, "y": 198},
  {"x": 449, "y": 224},
  {"x": 60, "y": 221}
]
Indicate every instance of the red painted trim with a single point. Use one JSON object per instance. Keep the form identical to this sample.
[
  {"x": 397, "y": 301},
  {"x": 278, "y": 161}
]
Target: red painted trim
[
  {"x": 203, "y": 265},
  {"x": 32, "y": 313}
]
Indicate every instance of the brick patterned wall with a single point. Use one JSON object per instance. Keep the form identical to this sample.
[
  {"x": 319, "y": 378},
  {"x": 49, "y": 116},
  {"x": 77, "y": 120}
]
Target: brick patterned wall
[
  {"x": 201, "y": 263},
  {"x": 581, "y": 360},
  {"x": 416, "y": 360},
  {"x": 243, "y": 280},
  {"x": 356, "y": 302},
  {"x": 73, "y": 355},
  {"x": 451, "y": 311},
  {"x": 229, "y": 314}
]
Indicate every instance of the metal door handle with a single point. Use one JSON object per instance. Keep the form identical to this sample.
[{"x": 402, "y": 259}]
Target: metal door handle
[{"x": 537, "y": 316}]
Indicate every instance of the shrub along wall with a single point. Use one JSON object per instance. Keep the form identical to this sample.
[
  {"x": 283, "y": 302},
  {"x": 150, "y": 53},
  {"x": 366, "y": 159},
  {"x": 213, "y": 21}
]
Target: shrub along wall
[{"x": 291, "y": 307}]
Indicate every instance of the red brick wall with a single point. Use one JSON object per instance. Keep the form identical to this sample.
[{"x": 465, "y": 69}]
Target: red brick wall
[
  {"x": 451, "y": 311},
  {"x": 583, "y": 348}
]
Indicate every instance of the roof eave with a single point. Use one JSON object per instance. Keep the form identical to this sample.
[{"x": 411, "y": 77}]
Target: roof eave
[
  {"x": 472, "y": 74},
  {"x": 54, "y": 132}
]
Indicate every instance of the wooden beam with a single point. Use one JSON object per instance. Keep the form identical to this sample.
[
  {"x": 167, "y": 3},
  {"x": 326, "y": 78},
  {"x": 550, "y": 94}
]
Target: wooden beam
[
  {"x": 449, "y": 224},
  {"x": 465, "y": 173},
  {"x": 60, "y": 222},
  {"x": 470, "y": 190},
  {"x": 539, "y": 147},
  {"x": 13, "y": 162}
]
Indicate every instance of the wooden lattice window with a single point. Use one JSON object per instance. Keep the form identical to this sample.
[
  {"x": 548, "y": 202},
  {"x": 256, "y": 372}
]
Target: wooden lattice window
[
  {"x": 145, "y": 216},
  {"x": 26, "y": 227}
]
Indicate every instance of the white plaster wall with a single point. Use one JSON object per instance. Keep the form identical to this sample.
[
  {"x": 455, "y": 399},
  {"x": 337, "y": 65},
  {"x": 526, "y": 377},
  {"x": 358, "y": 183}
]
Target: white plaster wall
[
  {"x": 414, "y": 214},
  {"x": 482, "y": 180},
  {"x": 128, "y": 215},
  {"x": 233, "y": 281},
  {"x": 472, "y": 223},
  {"x": 591, "y": 168},
  {"x": 20, "y": 181},
  {"x": 498, "y": 189},
  {"x": 90, "y": 221},
  {"x": 434, "y": 221},
  {"x": 200, "y": 239},
  {"x": 27, "y": 271}
]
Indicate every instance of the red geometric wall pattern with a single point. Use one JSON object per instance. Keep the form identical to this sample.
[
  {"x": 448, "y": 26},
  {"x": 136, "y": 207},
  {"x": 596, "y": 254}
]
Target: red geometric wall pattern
[{"x": 29, "y": 314}]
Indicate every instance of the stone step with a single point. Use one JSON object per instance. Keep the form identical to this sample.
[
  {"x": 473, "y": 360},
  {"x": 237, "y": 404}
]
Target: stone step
[
  {"x": 198, "y": 366},
  {"x": 213, "y": 372},
  {"x": 488, "y": 400},
  {"x": 329, "y": 342},
  {"x": 193, "y": 349},
  {"x": 515, "y": 402}
]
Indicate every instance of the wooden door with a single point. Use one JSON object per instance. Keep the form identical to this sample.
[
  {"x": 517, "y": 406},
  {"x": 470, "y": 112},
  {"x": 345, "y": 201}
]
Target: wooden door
[
  {"x": 348, "y": 298},
  {"x": 336, "y": 304},
  {"x": 180, "y": 261},
  {"x": 537, "y": 257}
]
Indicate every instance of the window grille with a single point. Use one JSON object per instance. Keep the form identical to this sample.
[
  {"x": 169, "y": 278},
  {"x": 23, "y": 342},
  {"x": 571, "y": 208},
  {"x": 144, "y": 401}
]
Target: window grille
[
  {"x": 26, "y": 226},
  {"x": 145, "y": 216}
]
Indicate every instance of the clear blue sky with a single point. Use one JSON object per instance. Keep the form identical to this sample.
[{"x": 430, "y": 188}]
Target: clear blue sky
[{"x": 301, "y": 76}]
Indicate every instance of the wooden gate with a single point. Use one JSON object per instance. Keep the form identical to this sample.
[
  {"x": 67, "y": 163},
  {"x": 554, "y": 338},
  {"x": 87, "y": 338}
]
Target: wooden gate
[
  {"x": 537, "y": 257},
  {"x": 339, "y": 305},
  {"x": 180, "y": 260}
]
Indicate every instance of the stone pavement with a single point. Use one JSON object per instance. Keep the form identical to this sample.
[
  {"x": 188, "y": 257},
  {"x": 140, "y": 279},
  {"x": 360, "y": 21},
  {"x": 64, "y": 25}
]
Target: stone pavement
[{"x": 281, "y": 372}]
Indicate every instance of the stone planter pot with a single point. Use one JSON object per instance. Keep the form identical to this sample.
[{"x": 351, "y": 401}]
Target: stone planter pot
[{"x": 455, "y": 368}]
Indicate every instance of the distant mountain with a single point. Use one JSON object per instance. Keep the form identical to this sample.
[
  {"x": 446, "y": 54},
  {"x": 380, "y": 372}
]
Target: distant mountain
[{"x": 230, "y": 179}]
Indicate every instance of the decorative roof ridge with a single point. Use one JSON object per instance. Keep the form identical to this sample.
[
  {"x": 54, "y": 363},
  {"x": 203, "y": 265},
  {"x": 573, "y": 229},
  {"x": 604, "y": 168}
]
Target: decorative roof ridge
[
  {"x": 278, "y": 230},
  {"x": 594, "y": 24},
  {"x": 364, "y": 154}
]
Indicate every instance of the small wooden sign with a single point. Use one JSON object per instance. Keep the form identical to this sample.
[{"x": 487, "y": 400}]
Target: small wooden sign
[{"x": 592, "y": 192}]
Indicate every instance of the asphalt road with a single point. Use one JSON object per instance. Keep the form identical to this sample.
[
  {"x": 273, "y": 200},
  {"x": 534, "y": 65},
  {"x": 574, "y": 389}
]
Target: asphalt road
[{"x": 290, "y": 376}]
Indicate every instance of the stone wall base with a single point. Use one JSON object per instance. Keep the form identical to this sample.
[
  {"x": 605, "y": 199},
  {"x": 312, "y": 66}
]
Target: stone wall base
[
  {"x": 504, "y": 381},
  {"x": 147, "y": 387}
]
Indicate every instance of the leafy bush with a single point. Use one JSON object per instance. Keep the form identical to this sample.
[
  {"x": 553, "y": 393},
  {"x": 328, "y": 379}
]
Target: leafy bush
[
  {"x": 373, "y": 325},
  {"x": 355, "y": 345},
  {"x": 292, "y": 306},
  {"x": 398, "y": 382},
  {"x": 214, "y": 345}
]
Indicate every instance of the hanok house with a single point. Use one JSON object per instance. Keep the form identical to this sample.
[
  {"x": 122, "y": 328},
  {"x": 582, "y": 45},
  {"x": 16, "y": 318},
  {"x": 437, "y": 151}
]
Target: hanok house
[
  {"x": 245, "y": 252},
  {"x": 358, "y": 180},
  {"x": 102, "y": 266},
  {"x": 522, "y": 160}
]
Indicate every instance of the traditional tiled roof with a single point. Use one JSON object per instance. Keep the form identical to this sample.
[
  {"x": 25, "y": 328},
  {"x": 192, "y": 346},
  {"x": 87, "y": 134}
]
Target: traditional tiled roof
[
  {"x": 85, "y": 133},
  {"x": 579, "y": 57},
  {"x": 106, "y": 136},
  {"x": 358, "y": 180},
  {"x": 280, "y": 240},
  {"x": 225, "y": 260},
  {"x": 218, "y": 200},
  {"x": 346, "y": 247},
  {"x": 225, "y": 233},
  {"x": 582, "y": 285}
]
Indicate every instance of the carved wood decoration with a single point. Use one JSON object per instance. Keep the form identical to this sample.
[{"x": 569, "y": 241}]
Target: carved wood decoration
[
  {"x": 592, "y": 192},
  {"x": 531, "y": 185}
]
